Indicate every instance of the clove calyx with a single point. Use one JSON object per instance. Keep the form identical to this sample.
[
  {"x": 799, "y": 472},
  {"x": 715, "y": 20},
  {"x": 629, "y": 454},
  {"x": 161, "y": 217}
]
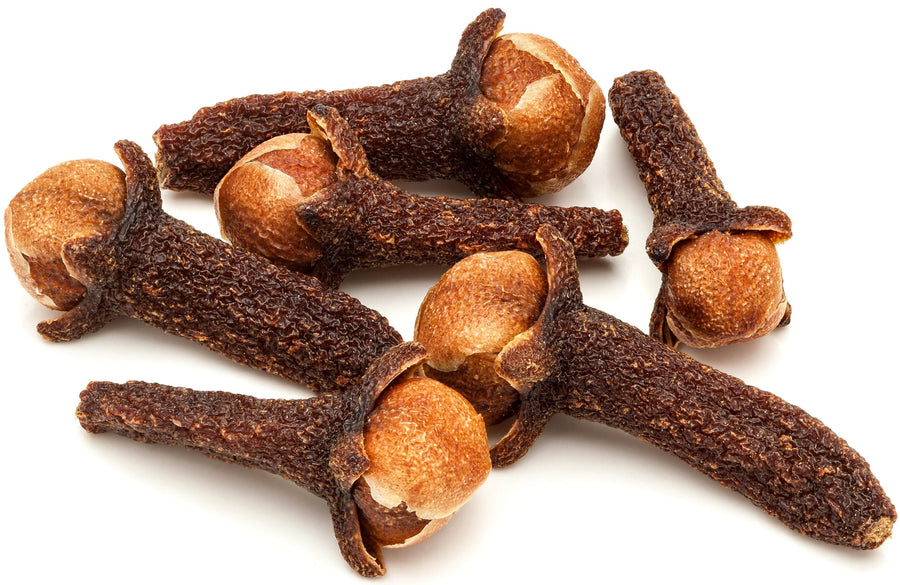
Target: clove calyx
[
  {"x": 111, "y": 250},
  {"x": 582, "y": 362},
  {"x": 312, "y": 202},
  {"x": 387, "y": 429},
  {"x": 515, "y": 116},
  {"x": 721, "y": 276}
]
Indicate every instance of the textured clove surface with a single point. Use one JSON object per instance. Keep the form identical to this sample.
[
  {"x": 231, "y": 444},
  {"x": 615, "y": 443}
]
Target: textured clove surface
[
  {"x": 160, "y": 270},
  {"x": 289, "y": 438},
  {"x": 393, "y": 120},
  {"x": 585, "y": 363},
  {"x": 316, "y": 442},
  {"x": 361, "y": 221},
  {"x": 685, "y": 193},
  {"x": 688, "y": 200}
]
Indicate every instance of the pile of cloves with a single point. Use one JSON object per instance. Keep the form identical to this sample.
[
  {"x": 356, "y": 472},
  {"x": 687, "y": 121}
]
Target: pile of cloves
[{"x": 395, "y": 439}]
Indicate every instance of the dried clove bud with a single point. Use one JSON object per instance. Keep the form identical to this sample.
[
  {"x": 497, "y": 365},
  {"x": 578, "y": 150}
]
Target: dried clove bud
[
  {"x": 515, "y": 116},
  {"x": 311, "y": 202},
  {"x": 722, "y": 279},
  {"x": 417, "y": 440},
  {"x": 74, "y": 199},
  {"x": 582, "y": 362},
  {"x": 87, "y": 239},
  {"x": 470, "y": 315}
]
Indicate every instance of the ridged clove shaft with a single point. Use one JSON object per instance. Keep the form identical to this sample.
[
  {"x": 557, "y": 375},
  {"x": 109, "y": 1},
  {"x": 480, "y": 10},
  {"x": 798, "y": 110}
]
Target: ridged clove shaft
[
  {"x": 721, "y": 278},
  {"x": 359, "y": 220},
  {"x": 317, "y": 443},
  {"x": 582, "y": 362},
  {"x": 155, "y": 268},
  {"x": 467, "y": 124}
]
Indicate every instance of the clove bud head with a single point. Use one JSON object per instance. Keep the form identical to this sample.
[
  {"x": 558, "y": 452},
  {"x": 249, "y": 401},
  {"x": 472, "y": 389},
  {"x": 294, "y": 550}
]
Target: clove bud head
[
  {"x": 256, "y": 199},
  {"x": 428, "y": 453},
  {"x": 724, "y": 287},
  {"x": 74, "y": 199},
  {"x": 554, "y": 112},
  {"x": 477, "y": 306}
]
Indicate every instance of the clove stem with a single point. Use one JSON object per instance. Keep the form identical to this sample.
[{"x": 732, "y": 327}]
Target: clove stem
[
  {"x": 317, "y": 443},
  {"x": 449, "y": 126},
  {"x": 582, "y": 362},
  {"x": 157, "y": 269},
  {"x": 721, "y": 278},
  {"x": 364, "y": 222}
]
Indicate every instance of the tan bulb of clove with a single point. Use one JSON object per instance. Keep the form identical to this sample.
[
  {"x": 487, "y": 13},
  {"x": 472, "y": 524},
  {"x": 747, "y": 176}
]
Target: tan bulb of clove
[
  {"x": 554, "y": 112},
  {"x": 515, "y": 116},
  {"x": 74, "y": 199},
  {"x": 394, "y": 456},
  {"x": 428, "y": 452},
  {"x": 470, "y": 314},
  {"x": 256, "y": 200},
  {"x": 311, "y": 202},
  {"x": 722, "y": 288}
]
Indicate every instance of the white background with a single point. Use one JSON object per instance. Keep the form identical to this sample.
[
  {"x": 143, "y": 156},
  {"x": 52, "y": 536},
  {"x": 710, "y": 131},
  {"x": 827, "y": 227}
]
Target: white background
[{"x": 796, "y": 103}]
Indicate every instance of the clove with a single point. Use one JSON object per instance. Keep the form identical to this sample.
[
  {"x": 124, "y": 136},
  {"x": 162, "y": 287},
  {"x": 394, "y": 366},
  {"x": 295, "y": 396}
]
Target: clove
[
  {"x": 312, "y": 202},
  {"x": 394, "y": 455},
  {"x": 721, "y": 277},
  {"x": 582, "y": 362},
  {"x": 94, "y": 242},
  {"x": 515, "y": 116}
]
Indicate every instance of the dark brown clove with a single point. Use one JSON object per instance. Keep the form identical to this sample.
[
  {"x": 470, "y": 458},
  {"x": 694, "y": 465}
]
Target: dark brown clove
[
  {"x": 515, "y": 116},
  {"x": 350, "y": 218},
  {"x": 123, "y": 255},
  {"x": 722, "y": 280},
  {"x": 343, "y": 447},
  {"x": 582, "y": 362}
]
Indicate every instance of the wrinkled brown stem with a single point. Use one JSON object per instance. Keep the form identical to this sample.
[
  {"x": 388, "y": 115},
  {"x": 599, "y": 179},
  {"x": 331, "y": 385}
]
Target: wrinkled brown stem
[
  {"x": 159, "y": 270},
  {"x": 387, "y": 226},
  {"x": 685, "y": 193},
  {"x": 582, "y": 362},
  {"x": 315, "y": 443},
  {"x": 364, "y": 222},
  {"x": 413, "y": 130}
]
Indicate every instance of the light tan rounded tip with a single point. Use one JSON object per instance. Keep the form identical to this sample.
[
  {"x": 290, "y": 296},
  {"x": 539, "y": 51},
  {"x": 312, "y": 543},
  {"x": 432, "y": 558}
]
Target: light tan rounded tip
[
  {"x": 724, "y": 288},
  {"x": 73, "y": 199},
  {"x": 256, "y": 200},
  {"x": 427, "y": 447},
  {"x": 479, "y": 305},
  {"x": 554, "y": 110},
  {"x": 879, "y": 532}
]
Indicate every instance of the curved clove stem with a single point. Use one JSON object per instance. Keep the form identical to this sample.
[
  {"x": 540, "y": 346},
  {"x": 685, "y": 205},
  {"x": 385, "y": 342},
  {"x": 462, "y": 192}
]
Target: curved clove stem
[
  {"x": 359, "y": 220},
  {"x": 317, "y": 443},
  {"x": 150, "y": 266},
  {"x": 729, "y": 288},
  {"x": 582, "y": 362},
  {"x": 466, "y": 124}
]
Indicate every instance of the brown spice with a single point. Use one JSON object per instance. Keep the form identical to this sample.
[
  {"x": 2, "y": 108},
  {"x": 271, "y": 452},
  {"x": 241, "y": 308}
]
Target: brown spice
[
  {"x": 514, "y": 118},
  {"x": 150, "y": 266},
  {"x": 587, "y": 364},
  {"x": 715, "y": 297},
  {"x": 350, "y": 218},
  {"x": 470, "y": 315},
  {"x": 321, "y": 444}
]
